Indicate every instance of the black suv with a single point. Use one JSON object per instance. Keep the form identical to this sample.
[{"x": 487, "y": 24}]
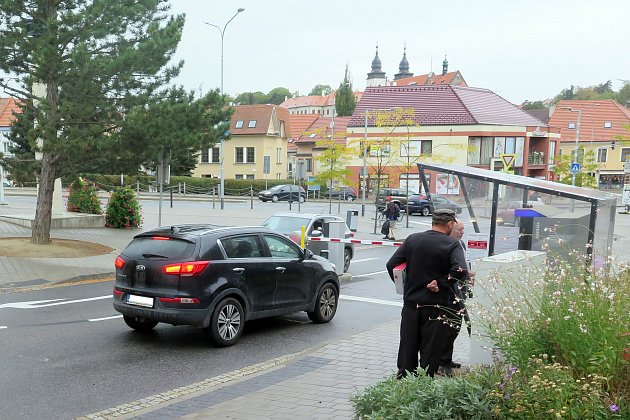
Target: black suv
[
  {"x": 284, "y": 192},
  {"x": 217, "y": 278}
]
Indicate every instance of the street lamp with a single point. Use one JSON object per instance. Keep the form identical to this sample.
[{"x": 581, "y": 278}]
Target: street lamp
[
  {"x": 577, "y": 140},
  {"x": 222, "y": 31},
  {"x": 364, "y": 170}
]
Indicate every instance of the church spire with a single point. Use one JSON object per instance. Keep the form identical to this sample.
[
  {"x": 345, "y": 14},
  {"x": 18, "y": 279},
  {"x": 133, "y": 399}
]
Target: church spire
[
  {"x": 444, "y": 66},
  {"x": 403, "y": 67},
  {"x": 377, "y": 76}
]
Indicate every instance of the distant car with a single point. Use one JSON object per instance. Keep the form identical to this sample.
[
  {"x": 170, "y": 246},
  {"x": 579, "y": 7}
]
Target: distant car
[
  {"x": 284, "y": 192},
  {"x": 7, "y": 184},
  {"x": 219, "y": 278},
  {"x": 344, "y": 193},
  {"x": 398, "y": 195},
  {"x": 418, "y": 203},
  {"x": 290, "y": 225}
]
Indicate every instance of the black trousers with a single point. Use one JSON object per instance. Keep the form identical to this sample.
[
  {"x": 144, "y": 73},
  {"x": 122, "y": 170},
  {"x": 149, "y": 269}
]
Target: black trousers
[
  {"x": 455, "y": 323},
  {"x": 423, "y": 330}
]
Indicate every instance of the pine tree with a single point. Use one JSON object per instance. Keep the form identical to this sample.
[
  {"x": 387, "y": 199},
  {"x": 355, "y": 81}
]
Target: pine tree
[
  {"x": 77, "y": 68},
  {"x": 345, "y": 102}
]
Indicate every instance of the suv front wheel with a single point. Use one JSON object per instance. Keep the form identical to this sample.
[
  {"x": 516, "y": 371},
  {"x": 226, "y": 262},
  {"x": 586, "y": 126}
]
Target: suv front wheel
[{"x": 326, "y": 304}]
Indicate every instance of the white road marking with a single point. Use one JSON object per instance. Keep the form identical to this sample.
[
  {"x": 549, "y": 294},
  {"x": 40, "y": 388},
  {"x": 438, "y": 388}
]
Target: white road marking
[
  {"x": 2, "y": 327},
  {"x": 371, "y": 300},
  {"x": 34, "y": 304},
  {"x": 354, "y": 276},
  {"x": 363, "y": 259},
  {"x": 106, "y": 318}
]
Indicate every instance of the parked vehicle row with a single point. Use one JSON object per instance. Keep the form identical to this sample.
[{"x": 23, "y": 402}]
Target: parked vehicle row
[{"x": 284, "y": 192}]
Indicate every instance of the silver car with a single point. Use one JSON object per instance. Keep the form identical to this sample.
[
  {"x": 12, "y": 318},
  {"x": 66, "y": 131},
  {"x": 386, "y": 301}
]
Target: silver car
[{"x": 290, "y": 224}]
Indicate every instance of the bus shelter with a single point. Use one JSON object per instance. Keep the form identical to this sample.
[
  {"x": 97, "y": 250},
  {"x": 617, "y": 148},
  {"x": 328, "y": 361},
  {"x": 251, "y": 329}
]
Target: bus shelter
[{"x": 512, "y": 212}]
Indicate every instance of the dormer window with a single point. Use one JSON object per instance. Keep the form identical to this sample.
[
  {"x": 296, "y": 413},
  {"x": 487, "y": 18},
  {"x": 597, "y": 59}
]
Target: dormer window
[
  {"x": 252, "y": 124},
  {"x": 572, "y": 125},
  {"x": 608, "y": 124},
  {"x": 239, "y": 124}
]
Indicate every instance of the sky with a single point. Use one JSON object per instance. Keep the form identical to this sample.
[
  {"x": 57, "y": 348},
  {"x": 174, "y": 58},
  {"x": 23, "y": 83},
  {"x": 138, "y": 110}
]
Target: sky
[{"x": 521, "y": 50}]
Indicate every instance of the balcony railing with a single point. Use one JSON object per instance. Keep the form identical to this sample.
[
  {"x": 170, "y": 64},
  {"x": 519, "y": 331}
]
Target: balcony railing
[{"x": 536, "y": 158}]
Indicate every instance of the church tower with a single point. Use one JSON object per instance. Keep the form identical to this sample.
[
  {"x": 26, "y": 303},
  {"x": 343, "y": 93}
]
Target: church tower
[{"x": 377, "y": 76}]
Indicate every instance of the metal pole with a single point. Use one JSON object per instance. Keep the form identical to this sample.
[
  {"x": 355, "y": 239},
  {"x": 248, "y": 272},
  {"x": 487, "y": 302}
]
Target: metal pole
[
  {"x": 221, "y": 155},
  {"x": 364, "y": 174},
  {"x": 577, "y": 140}
]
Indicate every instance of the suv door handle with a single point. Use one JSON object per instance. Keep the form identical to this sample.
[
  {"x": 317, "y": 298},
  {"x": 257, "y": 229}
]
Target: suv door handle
[
  {"x": 281, "y": 269},
  {"x": 238, "y": 270}
]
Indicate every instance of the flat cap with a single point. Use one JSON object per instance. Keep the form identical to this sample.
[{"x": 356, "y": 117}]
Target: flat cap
[{"x": 443, "y": 215}]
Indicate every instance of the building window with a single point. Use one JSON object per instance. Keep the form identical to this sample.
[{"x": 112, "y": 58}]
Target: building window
[
  {"x": 309, "y": 165},
  {"x": 552, "y": 151},
  {"x": 238, "y": 176},
  {"x": 416, "y": 148},
  {"x": 239, "y": 124},
  {"x": 602, "y": 155},
  {"x": 205, "y": 155},
  {"x": 572, "y": 125},
  {"x": 252, "y": 124},
  {"x": 244, "y": 154},
  {"x": 625, "y": 154},
  {"x": 279, "y": 155},
  {"x": 215, "y": 154},
  {"x": 250, "y": 176},
  {"x": 480, "y": 150},
  {"x": 608, "y": 124}
]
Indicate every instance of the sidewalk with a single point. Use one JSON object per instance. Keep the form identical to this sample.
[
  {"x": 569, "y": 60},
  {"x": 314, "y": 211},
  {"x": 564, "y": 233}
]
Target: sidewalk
[{"x": 314, "y": 384}]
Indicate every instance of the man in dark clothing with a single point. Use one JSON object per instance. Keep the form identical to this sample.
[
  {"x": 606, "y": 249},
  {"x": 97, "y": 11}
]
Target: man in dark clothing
[
  {"x": 392, "y": 213},
  {"x": 433, "y": 266},
  {"x": 457, "y": 306}
]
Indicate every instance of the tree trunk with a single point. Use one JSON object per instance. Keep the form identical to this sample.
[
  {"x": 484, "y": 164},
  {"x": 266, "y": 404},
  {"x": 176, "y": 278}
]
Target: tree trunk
[{"x": 43, "y": 213}]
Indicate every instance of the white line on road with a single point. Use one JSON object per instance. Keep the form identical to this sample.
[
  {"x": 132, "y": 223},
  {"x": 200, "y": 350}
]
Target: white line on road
[
  {"x": 363, "y": 259},
  {"x": 371, "y": 300},
  {"x": 354, "y": 276},
  {"x": 106, "y": 318},
  {"x": 34, "y": 304},
  {"x": 2, "y": 327}
]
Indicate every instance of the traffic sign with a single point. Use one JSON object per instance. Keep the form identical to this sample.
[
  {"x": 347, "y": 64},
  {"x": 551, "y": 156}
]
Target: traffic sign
[
  {"x": 575, "y": 168},
  {"x": 508, "y": 160}
]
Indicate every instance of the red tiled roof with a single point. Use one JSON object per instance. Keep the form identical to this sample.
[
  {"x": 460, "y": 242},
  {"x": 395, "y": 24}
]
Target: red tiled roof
[
  {"x": 320, "y": 128},
  {"x": 7, "y": 107},
  {"x": 443, "y": 105},
  {"x": 259, "y": 113},
  {"x": 594, "y": 115},
  {"x": 427, "y": 79},
  {"x": 303, "y": 101},
  {"x": 300, "y": 122}
]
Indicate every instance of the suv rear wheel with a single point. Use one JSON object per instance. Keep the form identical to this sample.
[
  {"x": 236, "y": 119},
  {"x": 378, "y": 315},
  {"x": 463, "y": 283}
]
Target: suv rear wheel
[
  {"x": 139, "y": 324},
  {"x": 425, "y": 211},
  {"x": 302, "y": 199},
  {"x": 274, "y": 198},
  {"x": 226, "y": 325},
  {"x": 326, "y": 304}
]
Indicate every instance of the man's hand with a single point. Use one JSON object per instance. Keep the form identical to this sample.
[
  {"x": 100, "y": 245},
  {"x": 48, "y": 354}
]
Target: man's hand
[
  {"x": 471, "y": 275},
  {"x": 433, "y": 286}
]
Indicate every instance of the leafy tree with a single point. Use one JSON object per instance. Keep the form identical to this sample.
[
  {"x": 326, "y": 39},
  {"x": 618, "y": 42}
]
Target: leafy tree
[
  {"x": 250, "y": 98},
  {"x": 176, "y": 123},
  {"x": 22, "y": 165},
  {"x": 95, "y": 60},
  {"x": 345, "y": 102},
  {"x": 527, "y": 105},
  {"x": 604, "y": 87},
  {"x": 320, "y": 90},
  {"x": 582, "y": 179},
  {"x": 278, "y": 95},
  {"x": 333, "y": 159},
  {"x": 623, "y": 95}
]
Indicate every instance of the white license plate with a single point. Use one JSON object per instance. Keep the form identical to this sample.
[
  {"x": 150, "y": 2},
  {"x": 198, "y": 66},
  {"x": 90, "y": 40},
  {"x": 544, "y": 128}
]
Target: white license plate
[{"x": 140, "y": 301}]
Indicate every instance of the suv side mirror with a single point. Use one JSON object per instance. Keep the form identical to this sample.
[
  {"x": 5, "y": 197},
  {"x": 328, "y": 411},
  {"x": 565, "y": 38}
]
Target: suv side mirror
[{"x": 307, "y": 254}]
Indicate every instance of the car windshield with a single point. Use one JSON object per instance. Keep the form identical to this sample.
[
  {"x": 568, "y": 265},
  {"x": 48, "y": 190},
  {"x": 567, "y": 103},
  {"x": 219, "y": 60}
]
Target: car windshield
[{"x": 286, "y": 224}]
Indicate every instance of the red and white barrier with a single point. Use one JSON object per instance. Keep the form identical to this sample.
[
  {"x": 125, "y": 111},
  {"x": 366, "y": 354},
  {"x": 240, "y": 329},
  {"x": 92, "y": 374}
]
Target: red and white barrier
[{"x": 355, "y": 241}]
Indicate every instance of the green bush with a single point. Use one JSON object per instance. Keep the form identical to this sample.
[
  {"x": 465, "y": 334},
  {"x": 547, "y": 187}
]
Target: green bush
[
  {"x": 123, "y": 209},
  {"x": 82, "y": 197},
  {"x": 425, "y": 398}
]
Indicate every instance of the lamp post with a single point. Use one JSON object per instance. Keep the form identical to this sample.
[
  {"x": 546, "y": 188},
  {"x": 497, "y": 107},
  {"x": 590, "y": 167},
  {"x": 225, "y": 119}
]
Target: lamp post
[
  {"x": 221, "y": 175},
  {"x": 364, "y": 170},
  {"x": 577, "y": 140}
]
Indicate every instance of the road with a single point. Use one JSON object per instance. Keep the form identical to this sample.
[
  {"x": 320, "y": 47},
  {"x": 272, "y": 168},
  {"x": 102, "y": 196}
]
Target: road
[{"x": 64, "y": 352}]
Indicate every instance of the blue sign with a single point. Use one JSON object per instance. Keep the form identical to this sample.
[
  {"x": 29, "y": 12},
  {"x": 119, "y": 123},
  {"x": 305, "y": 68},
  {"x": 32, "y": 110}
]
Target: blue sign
[{"x": 575, "y": 168}]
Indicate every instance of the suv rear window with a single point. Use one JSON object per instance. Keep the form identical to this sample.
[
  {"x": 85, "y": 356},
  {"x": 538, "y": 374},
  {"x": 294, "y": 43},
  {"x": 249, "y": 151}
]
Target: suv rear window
[{"x": 147, "y": 247}]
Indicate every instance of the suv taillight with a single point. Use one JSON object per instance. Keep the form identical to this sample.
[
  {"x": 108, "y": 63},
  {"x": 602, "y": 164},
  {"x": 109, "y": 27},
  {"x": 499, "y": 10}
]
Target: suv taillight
[
  {"x": 186, "y": 269},
  {"x": 119, "y": 262}
]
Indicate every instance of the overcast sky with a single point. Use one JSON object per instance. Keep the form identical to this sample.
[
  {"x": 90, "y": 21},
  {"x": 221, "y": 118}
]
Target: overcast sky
[{"x": 519, "y": 49}]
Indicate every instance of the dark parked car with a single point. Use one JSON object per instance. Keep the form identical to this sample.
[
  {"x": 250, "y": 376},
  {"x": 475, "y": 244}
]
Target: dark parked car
[
  {"x": 418, "y": 203},
  {"x": 398, "y": 195},
  {"x": 284, "y": 192},
  {"x": 217, "y": 278},
  {"x": 290, "y": 224},
  {"x": 344, "y": 193}
]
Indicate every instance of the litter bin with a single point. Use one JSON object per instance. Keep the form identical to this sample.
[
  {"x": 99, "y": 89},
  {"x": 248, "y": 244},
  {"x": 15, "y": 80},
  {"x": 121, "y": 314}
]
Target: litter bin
[{"x": 352, "y": 219}]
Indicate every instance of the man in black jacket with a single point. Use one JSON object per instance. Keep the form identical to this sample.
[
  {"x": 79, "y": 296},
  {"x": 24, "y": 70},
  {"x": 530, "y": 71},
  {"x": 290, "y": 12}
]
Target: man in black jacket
[{"x": 433, "y": 267}]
